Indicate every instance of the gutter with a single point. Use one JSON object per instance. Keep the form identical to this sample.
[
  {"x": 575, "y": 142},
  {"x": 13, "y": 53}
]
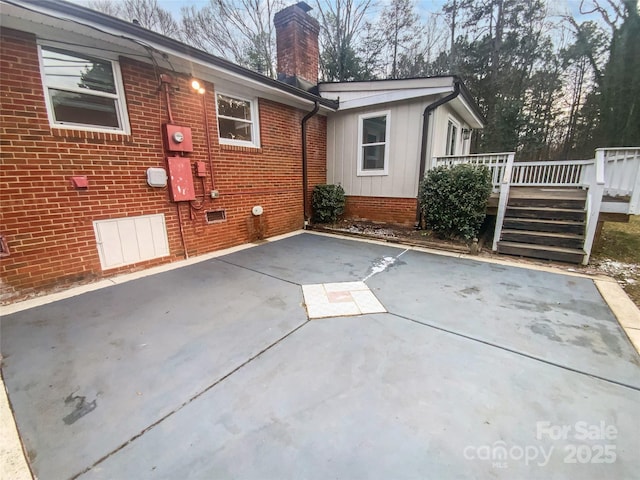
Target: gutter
[
  {"x": 425, "y": 130},
  {"x": 305, "y": 181}
]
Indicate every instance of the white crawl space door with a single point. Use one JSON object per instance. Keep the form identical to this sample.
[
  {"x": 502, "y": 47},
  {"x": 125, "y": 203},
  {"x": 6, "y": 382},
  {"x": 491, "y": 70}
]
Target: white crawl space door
[{"x": 123, "y": 241}]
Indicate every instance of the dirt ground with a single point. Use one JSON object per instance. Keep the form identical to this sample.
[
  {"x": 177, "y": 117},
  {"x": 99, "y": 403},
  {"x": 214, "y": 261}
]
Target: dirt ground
[{"x": 396, "y": 233}]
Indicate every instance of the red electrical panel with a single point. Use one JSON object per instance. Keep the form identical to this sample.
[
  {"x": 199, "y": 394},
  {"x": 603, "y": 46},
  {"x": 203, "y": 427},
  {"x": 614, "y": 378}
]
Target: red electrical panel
[
  {"x": 201, "y": 169},
  {"x": 180, "y": 179},
  {"x": 177, "y": 138}
]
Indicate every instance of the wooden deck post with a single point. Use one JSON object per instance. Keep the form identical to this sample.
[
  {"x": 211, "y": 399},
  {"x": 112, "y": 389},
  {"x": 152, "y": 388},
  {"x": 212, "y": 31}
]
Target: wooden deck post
[
  {"x": 594, "y": 201},
  {"x": 505, "y": 186}
]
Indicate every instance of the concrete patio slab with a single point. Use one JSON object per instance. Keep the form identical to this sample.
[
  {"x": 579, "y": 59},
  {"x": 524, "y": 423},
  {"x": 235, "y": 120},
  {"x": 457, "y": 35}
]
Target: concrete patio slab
[
  {"x": 376, "y": 397},
  {"x": 214, "y": 371},
  {"x": 558, "y": 318},
  {"x": 310, "y": 259},
  {"x": 86, "y": 374}
]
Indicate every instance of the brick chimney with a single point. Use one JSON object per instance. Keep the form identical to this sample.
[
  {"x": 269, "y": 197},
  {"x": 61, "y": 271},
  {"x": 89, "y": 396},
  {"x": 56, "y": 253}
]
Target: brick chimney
[{"x": 297, "y": 46}]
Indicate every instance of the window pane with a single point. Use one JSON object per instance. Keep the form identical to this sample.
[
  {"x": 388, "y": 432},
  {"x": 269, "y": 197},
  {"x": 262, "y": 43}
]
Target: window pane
[
  {"x": 232, "y": 107},
  {"x": 373, "y": 157},
  {"x": 374, "y": 129},
  {"x": 452, "y": 145},
  {"x": 452, "y": 134},
  {"x": 84, "y": 109},
  {"x": 69, "y": 70},
  {"x": 234, "y": 129}
]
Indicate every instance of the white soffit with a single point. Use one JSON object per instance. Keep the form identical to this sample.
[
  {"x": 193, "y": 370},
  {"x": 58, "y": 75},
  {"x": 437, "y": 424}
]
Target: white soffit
[
  {"x": 365, "y": 99},
  {"x": 467, "y": 113}
]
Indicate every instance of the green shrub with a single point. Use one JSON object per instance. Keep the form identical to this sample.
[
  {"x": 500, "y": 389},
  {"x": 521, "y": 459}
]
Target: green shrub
[
  {"x": 453, "y": 200},
  {"x": 328, "y": 203}
]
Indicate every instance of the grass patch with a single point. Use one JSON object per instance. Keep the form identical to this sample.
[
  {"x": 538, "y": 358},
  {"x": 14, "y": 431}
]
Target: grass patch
[{"x": 620, "y": 242}]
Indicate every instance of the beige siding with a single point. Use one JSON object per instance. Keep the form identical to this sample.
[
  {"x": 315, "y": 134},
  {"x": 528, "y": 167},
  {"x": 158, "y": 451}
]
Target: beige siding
[
  {"x": 438, "y": 133},
  {"x": 404, "y": 148}
]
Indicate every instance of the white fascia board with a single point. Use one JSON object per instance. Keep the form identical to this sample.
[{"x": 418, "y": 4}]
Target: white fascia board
[
  {"x": 391, "y": 96},
  {"x": 382, "y": 85},
  {"x": 479, "y": 123},
  {"x": 253, "y": 84}
]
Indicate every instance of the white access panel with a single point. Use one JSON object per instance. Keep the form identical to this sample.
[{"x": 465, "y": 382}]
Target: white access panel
[{"x": 123, "y": 241}]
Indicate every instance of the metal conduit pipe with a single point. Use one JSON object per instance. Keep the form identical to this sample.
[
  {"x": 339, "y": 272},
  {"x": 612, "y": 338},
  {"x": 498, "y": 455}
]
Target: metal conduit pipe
[{"x": 305, "y": 182}]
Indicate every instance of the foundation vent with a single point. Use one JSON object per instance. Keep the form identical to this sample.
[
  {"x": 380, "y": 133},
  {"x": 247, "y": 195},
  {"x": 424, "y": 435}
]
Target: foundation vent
[{"x": 216, "y": 216}]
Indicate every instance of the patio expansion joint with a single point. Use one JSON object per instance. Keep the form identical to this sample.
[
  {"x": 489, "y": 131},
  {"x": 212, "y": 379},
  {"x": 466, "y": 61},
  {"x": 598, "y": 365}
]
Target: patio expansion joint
[
  {"x": 187, "y": 402},
  {"x": 256, "y": 271},
  {"x": 516, "y": 352}
]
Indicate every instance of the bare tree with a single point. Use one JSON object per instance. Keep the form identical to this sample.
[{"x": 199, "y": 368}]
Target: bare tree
[
  {"x": 613, "y": 13},
  {"x": 401, "y": 30},
  {"x": 146, "y": 13},
  {"x": 239, "y": 30},
  {"x": 340, "y": 23},
  {"x": 110, "y": 7}
]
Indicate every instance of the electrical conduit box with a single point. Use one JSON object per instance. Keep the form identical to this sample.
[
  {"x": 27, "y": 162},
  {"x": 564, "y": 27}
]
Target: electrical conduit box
[
  {"x": 201, "y": 169},
  {"x": 177, "y": 138},
  {"x": 156, "y": 177},
  {"x": 180, "y": 179}
]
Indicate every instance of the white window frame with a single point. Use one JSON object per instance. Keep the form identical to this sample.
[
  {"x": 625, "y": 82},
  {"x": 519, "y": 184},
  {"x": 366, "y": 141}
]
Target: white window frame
[
  {"x": 255, "y": 121},
  {"x": 361, "y": 172},
  {"x": 452, "y": 122},
  {"x": 119, "y": 96}
]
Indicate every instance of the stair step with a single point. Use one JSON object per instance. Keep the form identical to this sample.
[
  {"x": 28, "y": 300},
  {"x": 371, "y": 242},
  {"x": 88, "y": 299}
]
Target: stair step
[
  {"x": 569, "y": 203},
  {"x": 548, "y": 192},
  {"x": 546, "y": 213},
  {"x": 553, "y": 239},
  {"x": 568, "y": 255},
  {"x": 539, "y": 225}
]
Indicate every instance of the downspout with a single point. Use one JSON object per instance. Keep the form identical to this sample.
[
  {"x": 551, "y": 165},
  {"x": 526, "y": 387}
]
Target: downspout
[
  {"x": 305, "y": 182},
  {"x": 425, "y": 130}
]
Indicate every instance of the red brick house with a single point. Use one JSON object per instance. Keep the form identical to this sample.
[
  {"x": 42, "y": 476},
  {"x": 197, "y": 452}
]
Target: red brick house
[
  {"x": 96, "y": 112},
  {"x": 123, "y": 149}
]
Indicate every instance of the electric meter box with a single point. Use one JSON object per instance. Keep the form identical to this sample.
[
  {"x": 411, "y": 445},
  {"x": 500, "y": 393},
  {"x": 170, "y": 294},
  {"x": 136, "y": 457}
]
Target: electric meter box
[
  {"x": 180, "y": 179},
  {"x": 177, "y": 138}
]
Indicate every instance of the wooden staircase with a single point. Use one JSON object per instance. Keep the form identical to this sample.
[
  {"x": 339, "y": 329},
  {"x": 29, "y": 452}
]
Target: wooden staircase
[{"x": 546, "y": 223}]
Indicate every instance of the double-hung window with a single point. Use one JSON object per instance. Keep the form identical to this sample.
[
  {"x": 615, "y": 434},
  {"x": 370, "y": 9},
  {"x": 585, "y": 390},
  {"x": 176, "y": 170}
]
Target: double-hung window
[
  {"x": 452, "y": 138},
  {"x": 237, "y": 120},
  {"x": 373, "y": 143},
  {"x": 82, "y": 91}
]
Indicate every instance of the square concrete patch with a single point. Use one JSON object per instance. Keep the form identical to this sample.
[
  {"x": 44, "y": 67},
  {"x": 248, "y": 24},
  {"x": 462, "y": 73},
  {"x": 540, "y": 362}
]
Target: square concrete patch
[{"x": 325, "y": 300}]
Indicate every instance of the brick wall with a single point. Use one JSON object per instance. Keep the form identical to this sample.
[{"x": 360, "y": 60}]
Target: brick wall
[
  {"x": 48, "y": 224},
  {"x": 381, "y": 209}
]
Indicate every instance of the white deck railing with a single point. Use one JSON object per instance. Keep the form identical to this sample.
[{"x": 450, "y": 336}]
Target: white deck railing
[
  {"x": 622, "y": 175},
  {"x": 495, "y": 162},
  {"x": 505, "y": 186},
  {"x": 561, "y": 173},
  {"x": 614, "y": 172},
  {"x": 566, "y": 173},
  {"x": 621, "y": 170},
  {"x": 596, "y": 185}
]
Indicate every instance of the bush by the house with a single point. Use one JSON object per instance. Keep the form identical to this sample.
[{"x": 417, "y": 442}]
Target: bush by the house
[
  {"x": 454, "y": 200},
  {"x": 328, "y": 203}
]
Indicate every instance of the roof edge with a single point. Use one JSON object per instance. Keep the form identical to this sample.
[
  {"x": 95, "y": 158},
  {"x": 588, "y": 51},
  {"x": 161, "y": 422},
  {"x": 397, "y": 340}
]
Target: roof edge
[
  {"x": 67, "y": 9},
  {"x": 466, "y": 94}
]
